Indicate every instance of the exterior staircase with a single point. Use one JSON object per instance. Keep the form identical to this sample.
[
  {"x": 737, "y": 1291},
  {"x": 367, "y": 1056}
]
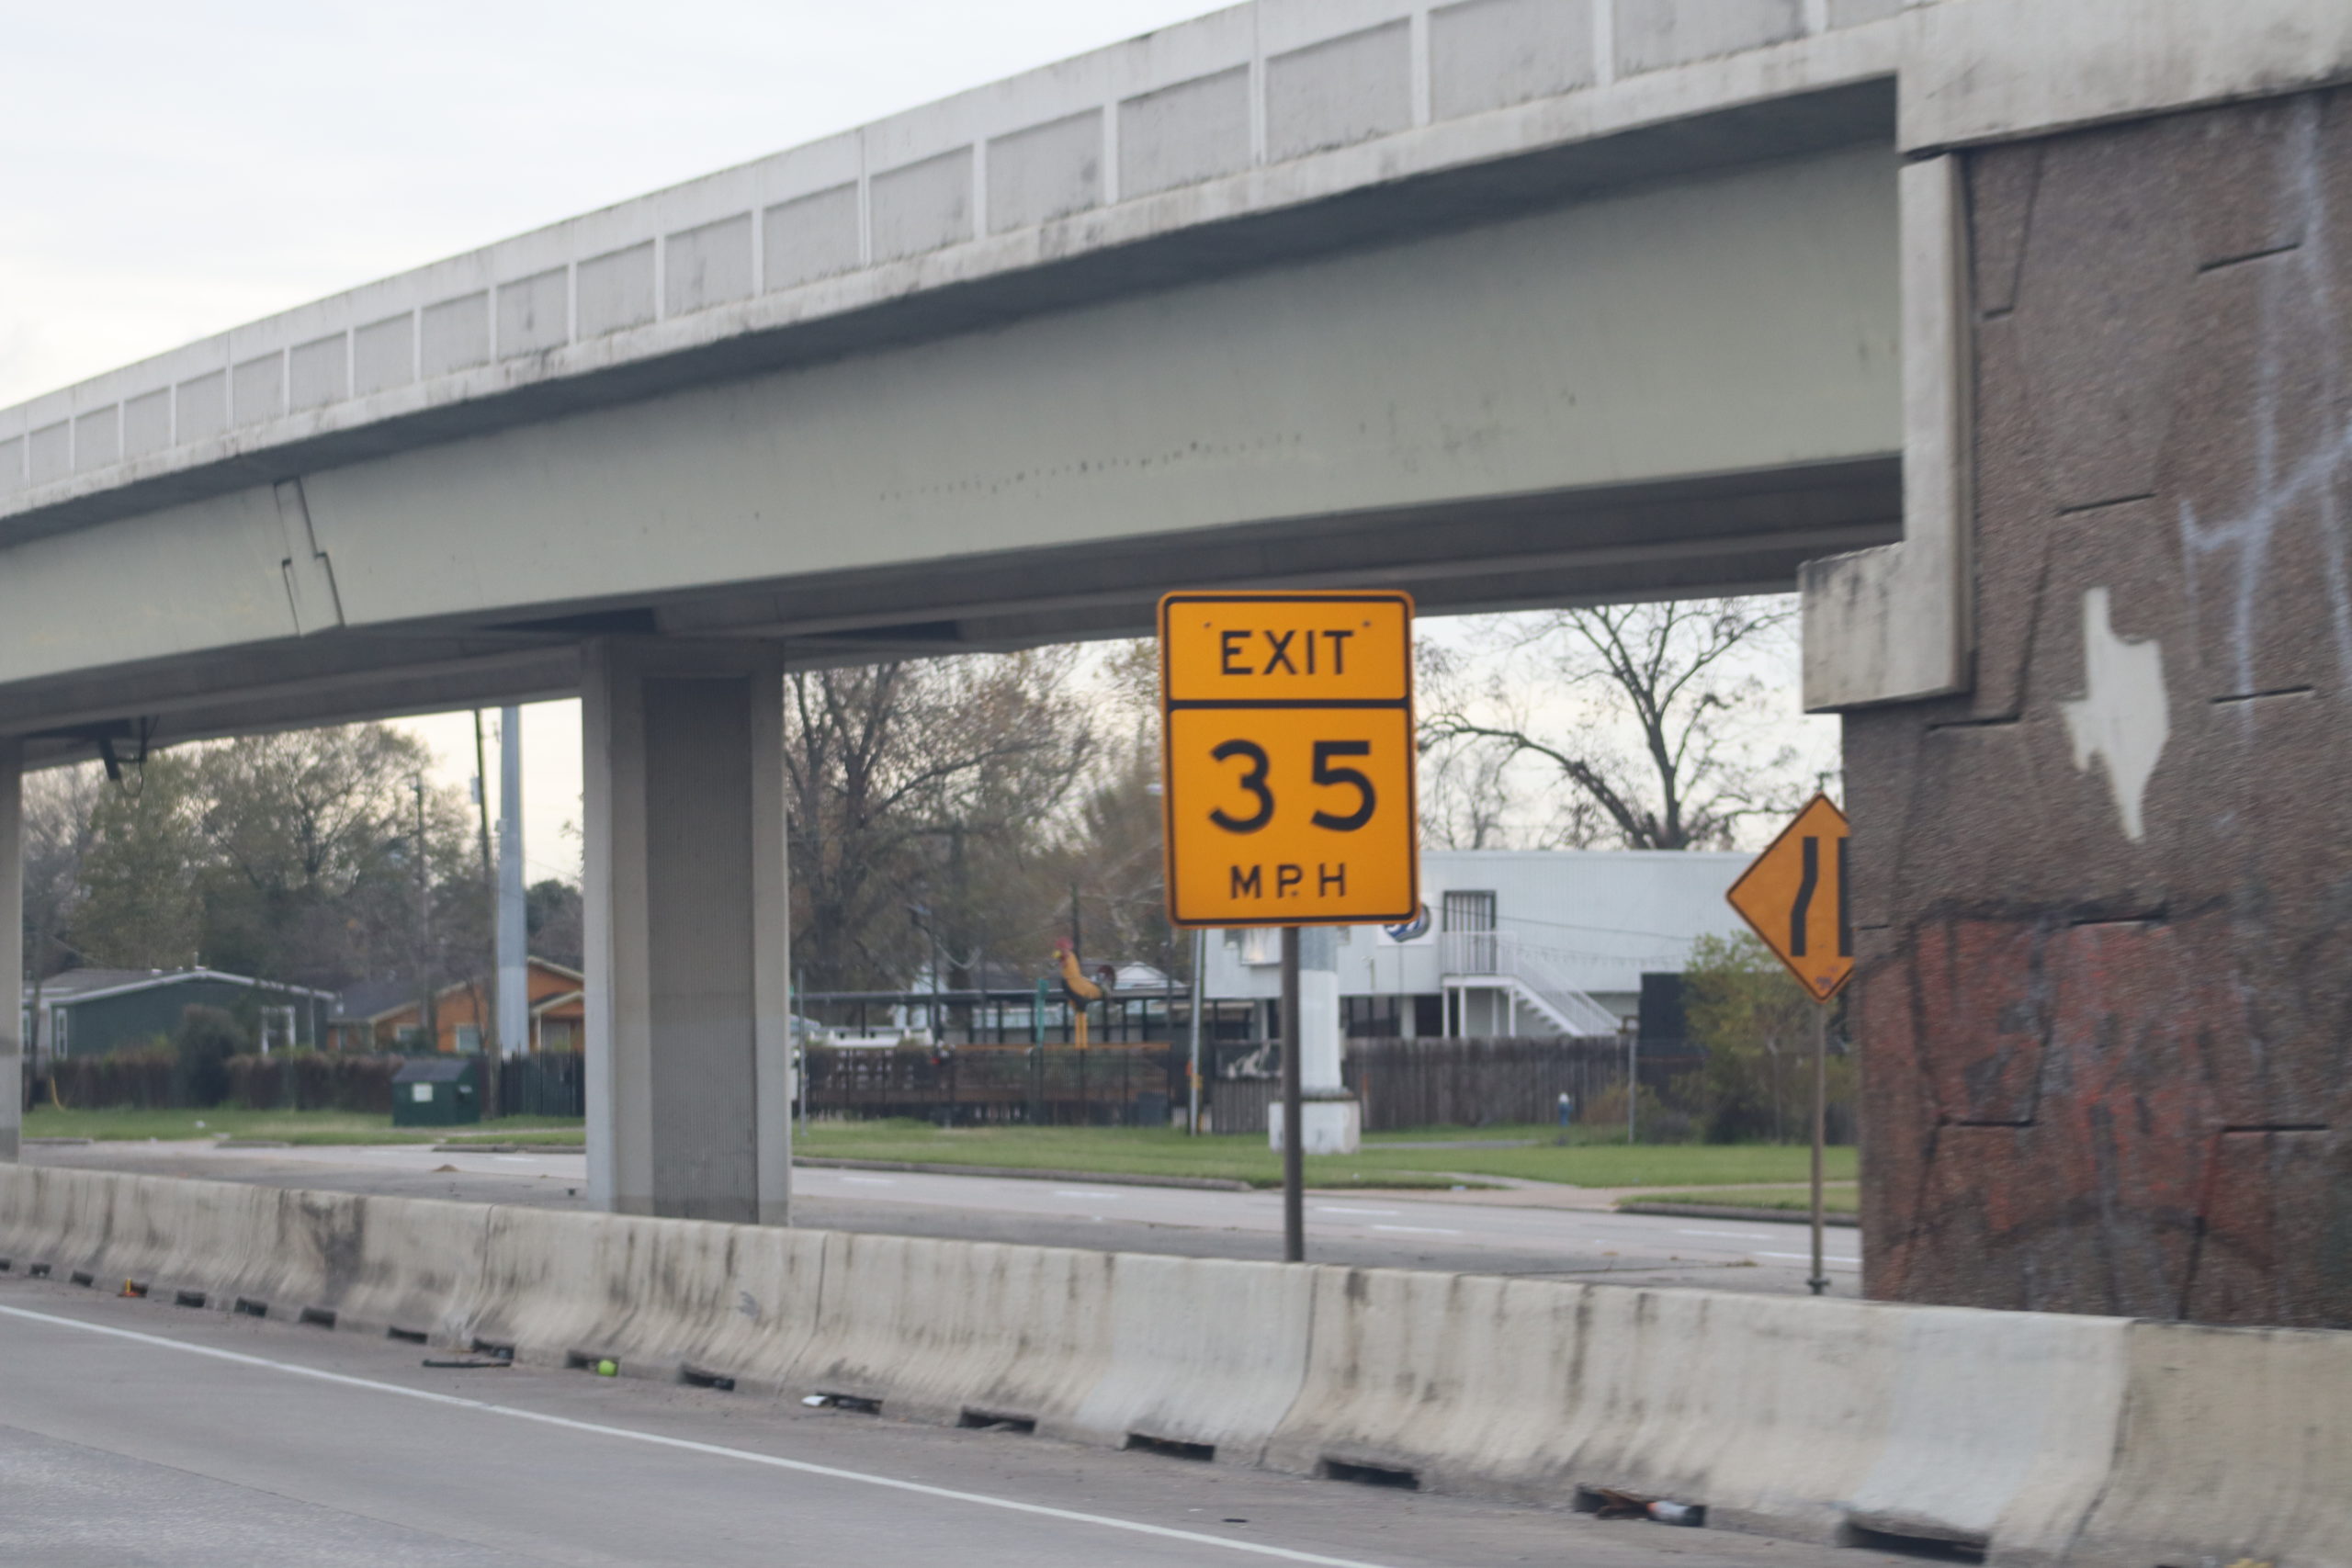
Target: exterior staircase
[{"x": 1535, "y": 977}]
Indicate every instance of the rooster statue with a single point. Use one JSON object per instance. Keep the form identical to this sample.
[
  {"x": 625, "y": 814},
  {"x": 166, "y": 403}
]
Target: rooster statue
[{"x": 1080, "y": 990}]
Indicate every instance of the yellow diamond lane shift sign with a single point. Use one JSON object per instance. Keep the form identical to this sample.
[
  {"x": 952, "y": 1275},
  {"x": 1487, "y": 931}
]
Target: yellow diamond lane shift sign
[
  {"x": 1287, "y": 767},
  {"x": 1794, "y": 897}
]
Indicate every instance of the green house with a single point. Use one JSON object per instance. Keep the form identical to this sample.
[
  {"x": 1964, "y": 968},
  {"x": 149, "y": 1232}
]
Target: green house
[{"x": 87, "y": 1012}]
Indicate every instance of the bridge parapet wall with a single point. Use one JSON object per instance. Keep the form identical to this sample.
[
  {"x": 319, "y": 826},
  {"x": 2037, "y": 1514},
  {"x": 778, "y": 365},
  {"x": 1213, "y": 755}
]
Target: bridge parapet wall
[{"x": 1249, "y": 111}]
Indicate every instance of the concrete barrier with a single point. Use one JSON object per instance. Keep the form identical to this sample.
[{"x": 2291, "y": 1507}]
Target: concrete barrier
[
  {"x": 222, "y": 1240},
  {"x": 405, "y": 1267},
  {"x": 943, "y": 1330},
  {"x": 1789, "y": 1415},
  {"x": 2039, "y": 1438},
  {"x": 1205, "y": 1352},
  {"x": 663, "y": 1298},
  {"x": 2236, "y": 1445}
]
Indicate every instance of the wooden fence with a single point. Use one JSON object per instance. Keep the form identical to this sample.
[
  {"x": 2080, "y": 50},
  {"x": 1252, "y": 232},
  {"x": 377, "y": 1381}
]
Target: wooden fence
[{"x": 1466, "y": 1083}]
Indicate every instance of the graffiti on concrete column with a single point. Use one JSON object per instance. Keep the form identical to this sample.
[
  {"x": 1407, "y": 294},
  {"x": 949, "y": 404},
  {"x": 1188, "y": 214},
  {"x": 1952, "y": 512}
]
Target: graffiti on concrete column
[{"x": 2120, "y": 720}]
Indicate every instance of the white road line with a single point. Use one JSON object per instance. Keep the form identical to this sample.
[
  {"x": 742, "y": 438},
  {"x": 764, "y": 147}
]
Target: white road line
[
  {"x": 1347, "y": 1208},
  {"x": 1733, "y": 1235},
  {"x": 1077, "y": 1192},
  {"x": 517, "y": 1159},
  {"x": 687, "y": 1445},
  {"x": 870, "y": 1180},
  {"x": 1418, "y": 1230},
  {"x": 1807, "y": 1256}
]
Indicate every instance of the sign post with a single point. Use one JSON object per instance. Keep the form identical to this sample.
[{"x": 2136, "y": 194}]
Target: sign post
[
  {"x": 1795, "y": 897},
  {"x": 1287, "y": 785}
]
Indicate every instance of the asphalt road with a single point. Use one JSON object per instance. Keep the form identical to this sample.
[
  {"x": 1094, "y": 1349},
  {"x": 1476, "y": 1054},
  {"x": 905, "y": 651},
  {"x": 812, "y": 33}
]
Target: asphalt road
[
  {"x": 133, "y": 1433},
  {"x": 1528, "y": 1231}
]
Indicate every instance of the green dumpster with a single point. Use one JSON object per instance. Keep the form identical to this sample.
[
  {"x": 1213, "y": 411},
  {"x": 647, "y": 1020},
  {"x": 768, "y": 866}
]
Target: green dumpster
[{"x": 437, "y": 1091}]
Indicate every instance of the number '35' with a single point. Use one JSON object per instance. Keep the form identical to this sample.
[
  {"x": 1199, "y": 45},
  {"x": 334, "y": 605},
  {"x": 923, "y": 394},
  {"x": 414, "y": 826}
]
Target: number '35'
[{"x": 1326, "y": 774}]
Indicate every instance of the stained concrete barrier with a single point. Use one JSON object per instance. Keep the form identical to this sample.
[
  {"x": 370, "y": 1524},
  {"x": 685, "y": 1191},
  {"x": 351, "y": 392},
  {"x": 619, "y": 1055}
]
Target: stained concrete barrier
[
  {"x": 2236, "y": 1445},
  {"x": 665, "y": 1299},
  {"x": 2036, "y": 1438},
  {"x": 1206, "y": 1352},
  {"x": 943, "y": 1330}
]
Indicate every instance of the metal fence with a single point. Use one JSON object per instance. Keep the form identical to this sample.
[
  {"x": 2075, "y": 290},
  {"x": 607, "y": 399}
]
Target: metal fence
[
  {"x": 1042, "y": 1086},
  {"x": 551, "y": 1083}
]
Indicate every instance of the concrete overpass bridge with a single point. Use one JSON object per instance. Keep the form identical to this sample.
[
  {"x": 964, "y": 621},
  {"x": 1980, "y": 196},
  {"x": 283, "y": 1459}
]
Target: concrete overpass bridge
[{"x": 1511, "y": 303}]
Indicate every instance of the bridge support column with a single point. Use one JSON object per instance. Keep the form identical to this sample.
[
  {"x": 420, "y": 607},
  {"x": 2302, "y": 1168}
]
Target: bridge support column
[
  {"x": 2103, "y": 899},
  {"x": 689, "y": 1055},
  {"x": 12, "y": 948}
]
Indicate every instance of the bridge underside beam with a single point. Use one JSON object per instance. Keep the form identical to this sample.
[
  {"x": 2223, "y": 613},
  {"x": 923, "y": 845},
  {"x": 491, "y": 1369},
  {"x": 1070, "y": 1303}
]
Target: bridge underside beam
[{"x": 1721, "y": 533}]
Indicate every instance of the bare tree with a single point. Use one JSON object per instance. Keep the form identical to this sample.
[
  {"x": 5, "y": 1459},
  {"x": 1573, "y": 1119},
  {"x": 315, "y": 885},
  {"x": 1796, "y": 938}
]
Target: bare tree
[
  {"x": 1670, "y": 746},
  {"x": 925, "y": 792}
]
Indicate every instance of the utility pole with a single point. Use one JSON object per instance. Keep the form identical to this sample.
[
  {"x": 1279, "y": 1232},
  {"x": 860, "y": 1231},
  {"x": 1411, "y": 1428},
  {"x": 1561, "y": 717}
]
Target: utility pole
[
  {"x": 514, "y": 906},
  {"x": 427, "y": 1014},
  {"x": 485, "y": 1022}
]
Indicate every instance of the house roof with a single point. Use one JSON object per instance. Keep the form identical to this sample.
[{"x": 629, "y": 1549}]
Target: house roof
[
  {"x": 370, "y": 999},
  {"x": 373, "y": 1000},
  {"x": 87, "y": 985}
]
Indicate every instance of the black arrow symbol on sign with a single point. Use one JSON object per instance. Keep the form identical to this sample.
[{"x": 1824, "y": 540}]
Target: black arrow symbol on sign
[
  {"x": 1802, "y": 909},
  {"x": 1804, "y": 905}
]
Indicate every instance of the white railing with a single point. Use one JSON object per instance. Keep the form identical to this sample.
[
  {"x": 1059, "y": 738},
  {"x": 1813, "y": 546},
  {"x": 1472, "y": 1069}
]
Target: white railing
[{"x": 1538, "y": 973}]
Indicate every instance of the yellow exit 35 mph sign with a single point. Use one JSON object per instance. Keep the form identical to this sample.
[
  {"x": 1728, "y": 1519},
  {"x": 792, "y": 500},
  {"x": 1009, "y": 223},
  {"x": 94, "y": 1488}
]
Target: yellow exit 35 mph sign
[
  {"x": 1288, "y": 759},
  {"x": 1794, "y": 897}
]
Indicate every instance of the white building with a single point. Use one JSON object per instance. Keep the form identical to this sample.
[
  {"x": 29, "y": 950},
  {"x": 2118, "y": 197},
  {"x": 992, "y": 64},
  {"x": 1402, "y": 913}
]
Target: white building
[{"x": 1519, "y": 943}]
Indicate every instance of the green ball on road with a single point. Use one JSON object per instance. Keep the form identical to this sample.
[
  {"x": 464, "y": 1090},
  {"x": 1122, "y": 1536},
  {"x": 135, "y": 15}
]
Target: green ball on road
[{"x": 608, "y": 1368}]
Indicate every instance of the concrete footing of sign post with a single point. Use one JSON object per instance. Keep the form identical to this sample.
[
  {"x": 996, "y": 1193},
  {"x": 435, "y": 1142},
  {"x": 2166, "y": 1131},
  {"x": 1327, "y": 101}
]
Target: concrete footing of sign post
[{"x": 1332, "y": 1126}]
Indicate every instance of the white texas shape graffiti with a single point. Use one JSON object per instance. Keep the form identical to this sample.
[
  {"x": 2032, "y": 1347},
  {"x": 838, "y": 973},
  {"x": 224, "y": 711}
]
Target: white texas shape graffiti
[{"x": 2122, "y": 717}]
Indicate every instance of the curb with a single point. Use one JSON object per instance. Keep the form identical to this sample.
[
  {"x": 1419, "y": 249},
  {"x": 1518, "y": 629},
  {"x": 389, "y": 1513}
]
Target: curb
[
  {"x": 510, "y": 1148},
  {"x": 1024, "y": 1173},
  {"x": 1734, "y": 1212},
  {"x": 917, "y": 1167}
]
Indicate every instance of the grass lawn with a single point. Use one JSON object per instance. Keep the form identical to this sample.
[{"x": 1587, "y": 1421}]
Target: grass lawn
[
  {"x": 1836, "y": 1198},
  {"x": 1387, "y": 1160},
  {"x": 282, "y": 1126}
]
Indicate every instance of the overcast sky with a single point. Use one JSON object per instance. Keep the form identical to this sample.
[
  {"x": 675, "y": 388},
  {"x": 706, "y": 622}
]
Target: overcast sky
[{"x": 176, "y": 167}]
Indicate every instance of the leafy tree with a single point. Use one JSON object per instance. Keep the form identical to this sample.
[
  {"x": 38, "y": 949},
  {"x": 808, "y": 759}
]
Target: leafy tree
[
  {"x": 310, "y": 875},
  {"x": 140, "y": 905},
  {"x": 1757, "y": 1025},
  {"x": 294, "y": 857}
]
